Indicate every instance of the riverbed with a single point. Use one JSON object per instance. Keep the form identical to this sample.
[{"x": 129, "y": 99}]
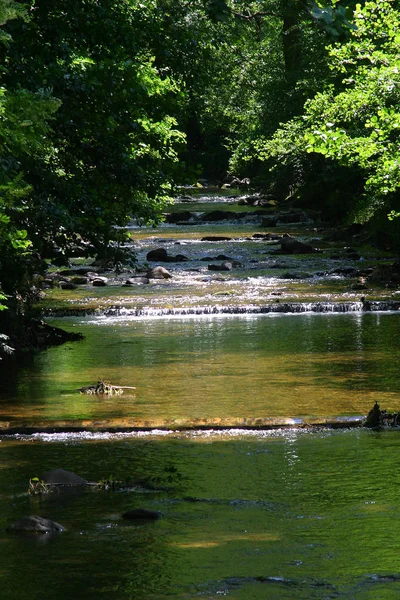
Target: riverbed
[{"x": 240, "y": 379}]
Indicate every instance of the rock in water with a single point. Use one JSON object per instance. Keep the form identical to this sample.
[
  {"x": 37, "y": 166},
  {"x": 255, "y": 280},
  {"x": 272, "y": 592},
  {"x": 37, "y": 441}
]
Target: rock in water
[
  {"x": 158, "y": 273},
  {"x": 142, "y": 513},
  {"x": 62, "y": 477},
  {"x": 35, "y": 524},
  {"x": 374, "y": 417}
]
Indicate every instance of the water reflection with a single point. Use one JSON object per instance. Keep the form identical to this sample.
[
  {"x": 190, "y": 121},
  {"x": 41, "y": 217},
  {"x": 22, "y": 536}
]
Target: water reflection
[
  {"x": 210, "y": 368},
  {"x": 249, "y": 514}
]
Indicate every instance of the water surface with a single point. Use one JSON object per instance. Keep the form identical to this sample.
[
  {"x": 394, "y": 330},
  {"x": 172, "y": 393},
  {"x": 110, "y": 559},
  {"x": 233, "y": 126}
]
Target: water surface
[
  {"x": 245, "y": 515},
  {"x": 210, "y": 368}
]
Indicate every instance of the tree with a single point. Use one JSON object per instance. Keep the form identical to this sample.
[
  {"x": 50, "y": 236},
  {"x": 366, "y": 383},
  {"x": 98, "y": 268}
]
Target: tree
[
  {"x": 356, "y": 121},
  {"x": 113, "y": 140},
  {"x": 24, "y": 124}
]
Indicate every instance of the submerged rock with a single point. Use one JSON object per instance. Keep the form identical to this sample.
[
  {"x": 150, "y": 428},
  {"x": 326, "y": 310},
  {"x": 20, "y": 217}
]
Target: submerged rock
[
  {"x": 137, "y": 281},
  {"x": 35, "y": 524},
  {"x": 142, "y": 513}
]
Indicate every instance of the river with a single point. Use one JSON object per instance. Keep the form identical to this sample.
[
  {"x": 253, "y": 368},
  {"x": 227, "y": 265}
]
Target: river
[{"x": 252, "y": 506}]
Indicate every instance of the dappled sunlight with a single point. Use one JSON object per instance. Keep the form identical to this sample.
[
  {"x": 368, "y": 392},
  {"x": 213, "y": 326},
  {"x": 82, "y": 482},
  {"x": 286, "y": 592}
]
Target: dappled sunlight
[{"x": 226, "y": 539}]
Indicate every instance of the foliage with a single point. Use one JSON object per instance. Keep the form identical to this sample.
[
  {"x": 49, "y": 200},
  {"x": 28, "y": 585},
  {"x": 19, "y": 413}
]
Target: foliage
[
  {"x": 349, "y": 129},
  {"x": 24, "y": 124},
  {"x": 356, "y": 122},
  {"x": 38, "y": 486},
  {"x": 113, "y": 140}
]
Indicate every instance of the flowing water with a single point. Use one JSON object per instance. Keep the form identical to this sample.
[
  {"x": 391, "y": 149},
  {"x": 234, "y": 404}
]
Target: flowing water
[{"x": 247, "y": 512}]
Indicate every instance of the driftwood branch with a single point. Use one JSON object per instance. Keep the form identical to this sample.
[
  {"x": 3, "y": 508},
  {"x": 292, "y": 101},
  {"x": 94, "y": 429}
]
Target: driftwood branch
[{"x": 105, "y": 388}]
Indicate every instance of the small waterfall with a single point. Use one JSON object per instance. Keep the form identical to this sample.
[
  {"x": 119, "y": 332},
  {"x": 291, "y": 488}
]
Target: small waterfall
[{"x": 276, "y": 307}]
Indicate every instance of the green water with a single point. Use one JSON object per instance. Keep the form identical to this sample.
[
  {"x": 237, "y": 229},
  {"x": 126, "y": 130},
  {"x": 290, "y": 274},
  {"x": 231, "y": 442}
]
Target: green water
[
  {"x": 249, "y": 516},
  {"x": 246, "y": 514},
  {"x": 214, "y": 367}
]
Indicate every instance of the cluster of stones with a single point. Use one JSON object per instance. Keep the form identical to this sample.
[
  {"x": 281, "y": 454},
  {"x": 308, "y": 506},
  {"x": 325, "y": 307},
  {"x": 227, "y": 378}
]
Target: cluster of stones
[{"x": 59, "y": 479}]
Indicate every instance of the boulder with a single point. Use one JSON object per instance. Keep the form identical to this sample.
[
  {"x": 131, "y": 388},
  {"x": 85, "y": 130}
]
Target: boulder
[
  {"x": 62, "y": 477},
  {"x": 219, "y": 257},
  {"x": 99, "y": 281},
  {"x": 178, "y": 258},
  {"x": 184, "y": 215},
  {"x": 35, "y": 524},
  {"x": 159, "y": 255},
  {"x": 158, "y": 273},
  {"x": 142, "y": 514},
  {"x": 225, "y": 266},
  {"x": 290, "y": 245}
]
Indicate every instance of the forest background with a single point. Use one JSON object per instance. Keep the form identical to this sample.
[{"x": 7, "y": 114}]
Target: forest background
[{"x": 107, "y": 106}]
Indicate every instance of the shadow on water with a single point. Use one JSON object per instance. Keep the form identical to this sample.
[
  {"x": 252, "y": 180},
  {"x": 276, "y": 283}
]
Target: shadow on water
[{"x": 245, "y": 515}]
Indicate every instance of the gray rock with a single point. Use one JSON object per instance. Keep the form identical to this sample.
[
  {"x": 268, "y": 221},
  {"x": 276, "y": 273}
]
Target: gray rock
[
  {"x": 159, "y": 254},
  {"x": 158, "y": 273},
  {"x": 99, "y": 281},
  {"x": 35, "y": 524},
  {"x": 62, "y": 477},
  {"x": 225, "y": 266},
  {"x": 290, "y": 245},
  {"x": 178, "y": 217}
]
